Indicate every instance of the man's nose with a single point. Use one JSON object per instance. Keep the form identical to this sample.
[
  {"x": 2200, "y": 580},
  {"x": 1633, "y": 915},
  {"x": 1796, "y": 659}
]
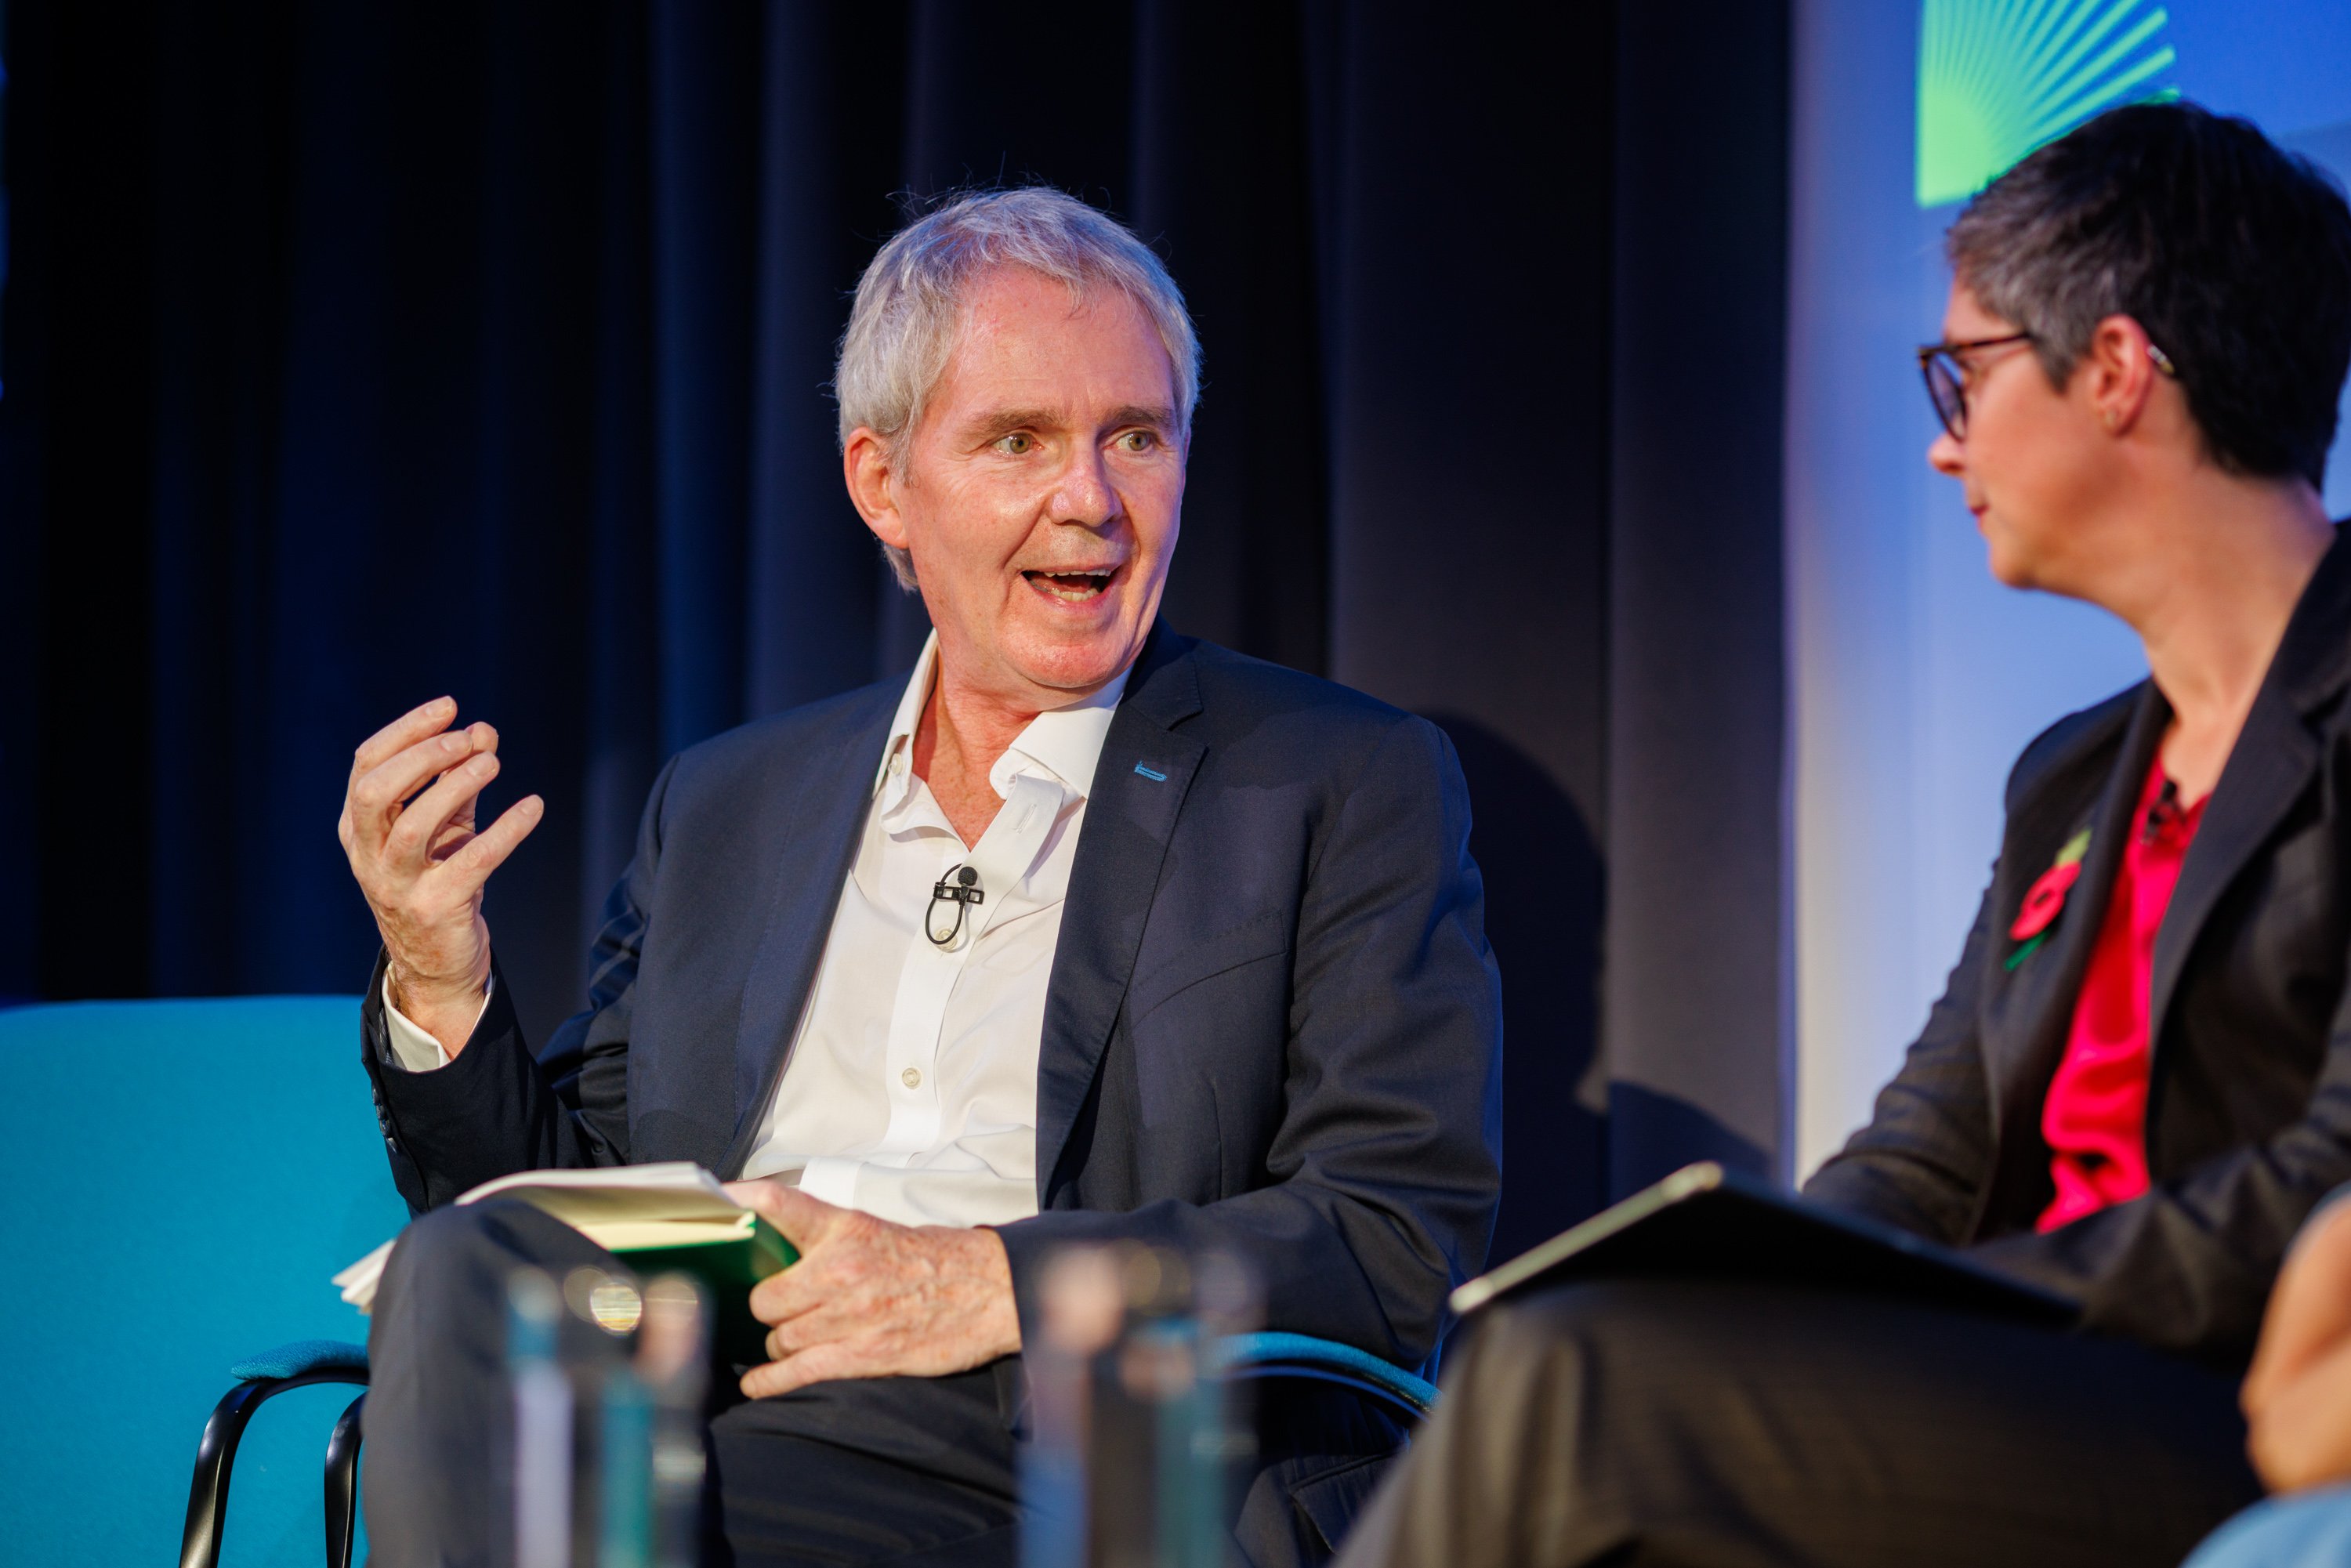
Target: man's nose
[{"x": 1084, "y": 493}]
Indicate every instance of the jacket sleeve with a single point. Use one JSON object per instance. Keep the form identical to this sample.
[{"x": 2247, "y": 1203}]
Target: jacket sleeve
[
  {"x": 1928, "y": 1156},
  {"x": 1386, "y": 1168},
  {"x": 496, "y": 1108},
  {"x": 2188, "y": 1264},
  {"x": 1922, "y": 1162}
]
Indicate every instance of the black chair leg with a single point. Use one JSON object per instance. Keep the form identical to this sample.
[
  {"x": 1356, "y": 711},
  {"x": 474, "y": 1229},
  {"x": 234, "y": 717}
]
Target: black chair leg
[
  {"x": 342, "y": 1486},
  {"x": 200, "y": 1538},
  {"x": 216, "y": 1456}
]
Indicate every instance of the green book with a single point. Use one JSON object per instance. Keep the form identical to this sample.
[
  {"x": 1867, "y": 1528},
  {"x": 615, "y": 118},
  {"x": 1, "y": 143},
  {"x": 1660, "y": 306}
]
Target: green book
[
  {"x": 728, "y": 1264},
  {"x": 674, "y": 1217}
]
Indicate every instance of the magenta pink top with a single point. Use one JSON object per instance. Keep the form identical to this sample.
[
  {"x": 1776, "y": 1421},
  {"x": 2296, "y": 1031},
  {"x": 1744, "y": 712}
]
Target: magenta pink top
[{"x": 2096, "y": 1117}]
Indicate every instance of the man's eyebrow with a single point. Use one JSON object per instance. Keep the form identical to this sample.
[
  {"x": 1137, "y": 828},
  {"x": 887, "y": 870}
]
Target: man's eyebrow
[
  {"x": 1003, "y": 422},
  {"x": 1161, "y": 419}
]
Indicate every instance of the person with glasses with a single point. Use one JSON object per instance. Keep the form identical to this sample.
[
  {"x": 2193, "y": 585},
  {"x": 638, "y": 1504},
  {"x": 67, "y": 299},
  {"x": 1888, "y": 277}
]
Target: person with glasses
[{"x": 2139, "y": 1081}]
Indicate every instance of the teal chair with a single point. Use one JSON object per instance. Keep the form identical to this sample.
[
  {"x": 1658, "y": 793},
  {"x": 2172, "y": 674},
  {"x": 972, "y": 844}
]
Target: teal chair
[{"x": 181, "y": 1178}]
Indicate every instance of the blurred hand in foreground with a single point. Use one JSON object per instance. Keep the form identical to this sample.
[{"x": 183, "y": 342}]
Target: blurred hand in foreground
[
  {"x": 2297, "y": 1397},
  {"x": 408, "y": 826},
  {"x": 871, "y": 1298}
]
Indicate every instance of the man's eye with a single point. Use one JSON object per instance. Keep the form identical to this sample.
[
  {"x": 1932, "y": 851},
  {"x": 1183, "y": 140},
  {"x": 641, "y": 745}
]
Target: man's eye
[
  {"x": 1137, "y": 440},
  {"x": 1019, "y": 443}
]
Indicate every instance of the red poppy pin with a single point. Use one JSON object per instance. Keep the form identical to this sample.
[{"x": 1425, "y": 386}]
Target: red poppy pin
[{"x": 2045, "y": 900}]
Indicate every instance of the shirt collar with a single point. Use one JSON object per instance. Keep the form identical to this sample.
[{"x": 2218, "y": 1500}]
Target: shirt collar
[
  {"x": 1064, "y": 743},
  {"x": 893, "y": 778}
]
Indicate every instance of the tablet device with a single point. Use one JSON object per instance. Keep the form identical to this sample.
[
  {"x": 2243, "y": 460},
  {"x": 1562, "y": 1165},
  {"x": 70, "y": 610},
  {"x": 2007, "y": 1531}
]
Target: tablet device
[{"x": 1705, "y": 1221}]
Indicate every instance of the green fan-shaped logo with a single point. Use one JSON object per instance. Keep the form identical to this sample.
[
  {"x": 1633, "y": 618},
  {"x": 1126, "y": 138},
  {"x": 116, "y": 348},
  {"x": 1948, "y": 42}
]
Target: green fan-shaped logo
[{"x": 1999, "y": 78}]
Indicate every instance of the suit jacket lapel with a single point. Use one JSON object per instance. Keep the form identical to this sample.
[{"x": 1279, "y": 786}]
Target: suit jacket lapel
[
  {"x": 2028, "y": 1021},
  {"x": 2272, "y": 763},
  {"x": 1138, "y": 789},
  {"x": 2270, "y": 766},
  {"x": 822, "y": 819}
]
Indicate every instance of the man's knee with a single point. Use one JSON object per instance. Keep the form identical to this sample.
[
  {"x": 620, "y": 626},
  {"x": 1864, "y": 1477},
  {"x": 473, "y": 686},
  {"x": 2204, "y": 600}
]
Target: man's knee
[
  {"x": 437, "y": 1245},
  {"x": 871, "y": 1469},
  {"x": 469, "y": 1252},
  {"x": 903, "y": 1419}
]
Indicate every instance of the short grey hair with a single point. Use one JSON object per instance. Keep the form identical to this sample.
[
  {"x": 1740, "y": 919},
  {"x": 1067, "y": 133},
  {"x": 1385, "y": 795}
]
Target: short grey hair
[
  {"x": 908, "y": 312},
  {"x": 2232, "y": 255},
  {"x": 2022, "y": 246}
]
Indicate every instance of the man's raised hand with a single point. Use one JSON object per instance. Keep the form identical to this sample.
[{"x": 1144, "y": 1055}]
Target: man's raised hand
[
  {"x": 871, "y": 1298},
  {"x": 408, "y": 827}
]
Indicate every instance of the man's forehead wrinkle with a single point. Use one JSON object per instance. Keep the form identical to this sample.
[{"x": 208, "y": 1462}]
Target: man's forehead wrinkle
[
  {"x": 1002, "y": 354},
  {"x": 993, "y": 292}
]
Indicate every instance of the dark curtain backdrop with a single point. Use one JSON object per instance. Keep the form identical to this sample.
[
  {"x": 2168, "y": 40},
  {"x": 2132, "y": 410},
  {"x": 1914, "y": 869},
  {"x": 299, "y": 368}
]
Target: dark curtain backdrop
[{"x": 355, "y": 353}]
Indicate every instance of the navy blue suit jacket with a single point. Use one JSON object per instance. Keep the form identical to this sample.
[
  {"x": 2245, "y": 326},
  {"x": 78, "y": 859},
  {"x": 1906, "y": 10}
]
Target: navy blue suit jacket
[{"x": 1274, "y": 1024}]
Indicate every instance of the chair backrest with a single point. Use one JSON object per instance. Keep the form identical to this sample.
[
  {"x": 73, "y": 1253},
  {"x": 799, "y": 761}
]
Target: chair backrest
[{"x": 178, "y": 1180}]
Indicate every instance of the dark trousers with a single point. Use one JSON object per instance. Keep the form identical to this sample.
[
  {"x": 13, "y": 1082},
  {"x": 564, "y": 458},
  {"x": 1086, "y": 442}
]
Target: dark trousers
[
  {"x": 900, "y": 1470},
  {"x": 1710, "y": 1425}
]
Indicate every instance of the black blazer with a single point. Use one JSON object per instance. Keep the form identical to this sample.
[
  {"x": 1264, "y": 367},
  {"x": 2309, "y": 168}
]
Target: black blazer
[
  {"x": 1274, "y": 1024},
  {"x": 2248, "y": 1114}
]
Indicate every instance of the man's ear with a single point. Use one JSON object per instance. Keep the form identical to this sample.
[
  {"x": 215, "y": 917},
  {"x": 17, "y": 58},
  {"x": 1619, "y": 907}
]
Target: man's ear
[
  {"x": 872, "y": 487},
  {"x": 2118, "y": 374}
]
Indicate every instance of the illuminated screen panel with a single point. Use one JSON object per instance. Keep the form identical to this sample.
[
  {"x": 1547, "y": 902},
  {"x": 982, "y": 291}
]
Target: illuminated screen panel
[{"x": 1997, "y": 79}]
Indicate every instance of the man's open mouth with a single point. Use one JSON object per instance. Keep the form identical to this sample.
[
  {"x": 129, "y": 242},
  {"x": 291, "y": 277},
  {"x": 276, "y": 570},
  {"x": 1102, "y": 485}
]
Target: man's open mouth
[{"x": 1073, "y": 587}]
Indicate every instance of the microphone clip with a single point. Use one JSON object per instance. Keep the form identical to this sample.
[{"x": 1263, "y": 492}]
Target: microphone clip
[
  {"x": 2162, "y": 814},
  {"x": 960, "y": 888}
]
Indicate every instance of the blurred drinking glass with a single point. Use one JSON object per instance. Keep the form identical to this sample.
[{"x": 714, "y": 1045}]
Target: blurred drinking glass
[
  {"x": 608, "y": 1387},
  {"x": 543, "y": 1411},
  {"x": 1135, "y": 1428}
]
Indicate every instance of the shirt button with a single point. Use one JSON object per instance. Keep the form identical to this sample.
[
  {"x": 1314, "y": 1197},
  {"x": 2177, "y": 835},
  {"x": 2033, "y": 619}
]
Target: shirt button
[
  {"x": 912, "y": 1078},
  {"x": 897, "y": 763}
]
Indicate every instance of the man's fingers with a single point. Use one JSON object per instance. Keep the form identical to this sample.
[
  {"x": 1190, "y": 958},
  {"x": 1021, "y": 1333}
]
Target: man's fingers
[
  {"x": 408, "y": 847},
  {"x": 425, "y": 719},
  {"x": 374, "y": 802},
  {"x": 797, "y": 1295},
  {"x": 487, "y": 850},
  {"x": 804, "y": 1220},
  {"x": 823, "y": 1323},
  {"x": 819, "y": 1364}
]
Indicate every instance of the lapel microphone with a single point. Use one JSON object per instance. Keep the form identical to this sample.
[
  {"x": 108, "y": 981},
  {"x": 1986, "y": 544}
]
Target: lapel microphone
[
  {"x": 960, "y": 888},
  {"x": 2159, "y": 816}
]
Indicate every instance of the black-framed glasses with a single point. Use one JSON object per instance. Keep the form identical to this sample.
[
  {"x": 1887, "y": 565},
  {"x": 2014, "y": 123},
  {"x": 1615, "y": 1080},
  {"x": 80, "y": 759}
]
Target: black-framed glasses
[{"x": 1947, "y": 379}]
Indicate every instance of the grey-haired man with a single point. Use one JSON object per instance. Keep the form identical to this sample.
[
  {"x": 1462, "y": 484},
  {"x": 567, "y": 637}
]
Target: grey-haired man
[{"x": 1228, "y": 987}]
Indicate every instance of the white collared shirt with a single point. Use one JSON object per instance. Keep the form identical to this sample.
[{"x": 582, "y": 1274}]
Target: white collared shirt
[{"x": 911, "y": 1090}]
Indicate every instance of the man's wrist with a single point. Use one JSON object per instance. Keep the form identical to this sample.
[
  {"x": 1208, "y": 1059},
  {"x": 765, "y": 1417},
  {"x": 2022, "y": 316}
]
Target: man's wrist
[
  {"x": 414, "y": 991},
  {"x": 446, "y": 1012},
  {"x": 994, "y": 1264}
]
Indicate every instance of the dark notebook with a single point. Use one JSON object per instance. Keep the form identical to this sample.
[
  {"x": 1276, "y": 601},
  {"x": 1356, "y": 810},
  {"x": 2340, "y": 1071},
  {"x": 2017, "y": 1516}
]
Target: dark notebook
[{"x": 1707, "y": 1222}]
